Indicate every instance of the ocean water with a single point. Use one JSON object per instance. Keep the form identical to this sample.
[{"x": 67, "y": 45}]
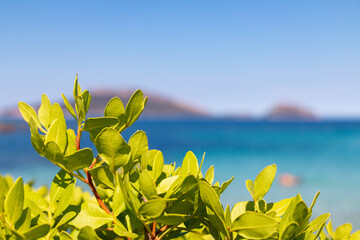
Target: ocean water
[{"x": 325, "y": 156}]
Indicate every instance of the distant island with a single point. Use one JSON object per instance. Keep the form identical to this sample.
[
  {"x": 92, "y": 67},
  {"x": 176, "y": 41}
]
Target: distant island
[{"x": 287, "y": 112}]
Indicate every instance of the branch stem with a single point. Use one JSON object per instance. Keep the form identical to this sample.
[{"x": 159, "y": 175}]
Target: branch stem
[
  {"x": 78, "y": 137},
  {"x": 154, "y": 229},
  {"x": 96, "y": 194},
  {"x": 88, "y": 179}
]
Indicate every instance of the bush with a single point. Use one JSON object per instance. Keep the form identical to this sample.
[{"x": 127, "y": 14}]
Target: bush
[{"x": 134, "y": 194}]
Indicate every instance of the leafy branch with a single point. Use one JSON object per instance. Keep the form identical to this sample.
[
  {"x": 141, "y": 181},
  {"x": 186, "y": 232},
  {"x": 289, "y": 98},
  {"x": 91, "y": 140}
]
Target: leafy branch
[{"x": 135, "y": 194}]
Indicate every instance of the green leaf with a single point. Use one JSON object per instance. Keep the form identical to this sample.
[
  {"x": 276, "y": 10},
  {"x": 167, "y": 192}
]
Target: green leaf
[
  {"x": 24, "y": 223},
  {"x": 37, "y": 204},
  {"x": 211, "y": 199},
  {"x": 57, "y": 113},
  {"x": 99, "y": 123},
  {"x": 151, "y": 154},
  {"x": 2, "y": 236},
  {"x": 314, "y": 200},
  {"x": 57, "y": 133},
  {"x": 253, "y": 225},
  {"x": 189, "y": 165},
  {"x": 296, "y": 212},
  {"x": 37, "y": 232},
  {"x": 263, "y": 181},
  {"x": 71, "y": 140},
  {"x": 225, "y": 185},
  {"x": 287, "y": 217},
  {"x": 165, "y": 185},
  {"x": 199, "y": 173},
  {"x": 90, "y": 215},
  {"x": 112, "y": 148},
  {"x": 300, "y": 212},
  {"x": 115, "y": 108},
  {"x": 118, "y": 205},
  {"x": 14, "y": 202},
  {"x": 80, "y": 108},
  {"x": 280, "y": 207},
  {"x": 124, "y": 186},
  {"x": 103, "y": 177},
  {"x": 355, "y": 236},
  {"x": 77, "y": 88},
  {"x": 135, "y": 107},
  {"x": 3, "y": 191},
  {"x": 15, "y": 235},
  {"x": 329, "y": 229},
  {"x": 133, "y": 198},
  {"x": 147, "y": 185},
  {"x": 171, "y": 219},
  {"x": 66, "y": 218},
  {"x": 69, "y": 107},
  {"x": 37, "y": 140},
  {"x": 152, "y": 208},
  {"x": 174, "y": 186},
  {"x": 65, "y": 199},
  {"x": 78, "y": 160},
  {"x": 209, "y": 175},
  {"x": 289, "y": 230},
  {"x": 187, "y": 184},
  {"x": 139, "y": 144},
  {"x": 343, "y": 231},
  {"x": 217, "y": 223},
  {"x": 319, "y": 235},
  {"x": 168, "y": 169},
  {"x": 185, "y": 207},
  {"x": 87, "y": 233},
  {"x": 182, "y": 186},
  {"x": 53, "y": 153},
  {"x": 318, "y": 222},
  {"x": 87, "y": 100},
  {"x": 65, "y": 236},
  {"x": 240, "y": 208},
  {"x": 228, "y": 216},
  {"x": 250, "y": 188},
  {"x": 28, "y": 112},
  {"x": 61, "y": 192},
  {"x": 44, "y": 111},
  {"x": 123, "y": 233},
  {"x": 158, "y": 165}
]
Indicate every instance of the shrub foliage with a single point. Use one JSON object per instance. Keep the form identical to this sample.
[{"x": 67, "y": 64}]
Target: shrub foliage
[{"x": 134, "y": 194}]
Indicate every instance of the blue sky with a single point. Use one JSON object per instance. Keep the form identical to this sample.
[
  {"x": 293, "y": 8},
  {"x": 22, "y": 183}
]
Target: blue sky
[{"x": 236, "y": 57}]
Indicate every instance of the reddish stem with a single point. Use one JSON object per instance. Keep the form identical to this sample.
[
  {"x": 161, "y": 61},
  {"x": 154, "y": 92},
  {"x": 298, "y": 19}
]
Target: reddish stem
[
  {"x": 89, "y": 178},
  {"x": 162, "y": 229},
  {"x": 94, "y": 162},
  {"x": 105, "y": 229},
  {"x": 154, "y": 229},
  {"x": 93, "y": 189},
  {"x": 78, "y": 138}
]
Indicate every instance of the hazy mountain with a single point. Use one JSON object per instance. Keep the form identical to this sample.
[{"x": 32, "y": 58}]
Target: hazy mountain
[{"x": 287, "y": 112}]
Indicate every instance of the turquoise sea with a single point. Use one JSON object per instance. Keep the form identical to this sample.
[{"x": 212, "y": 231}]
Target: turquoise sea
[{"x": 324, "y": 155}]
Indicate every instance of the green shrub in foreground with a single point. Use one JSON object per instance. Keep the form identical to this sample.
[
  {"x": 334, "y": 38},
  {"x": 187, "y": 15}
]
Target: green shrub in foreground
[{"x": 134, "y": 194}]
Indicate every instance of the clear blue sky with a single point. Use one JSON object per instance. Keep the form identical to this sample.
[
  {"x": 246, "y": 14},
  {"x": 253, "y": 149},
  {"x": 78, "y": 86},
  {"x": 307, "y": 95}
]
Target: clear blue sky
[{"x": 239, "y": 56}]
